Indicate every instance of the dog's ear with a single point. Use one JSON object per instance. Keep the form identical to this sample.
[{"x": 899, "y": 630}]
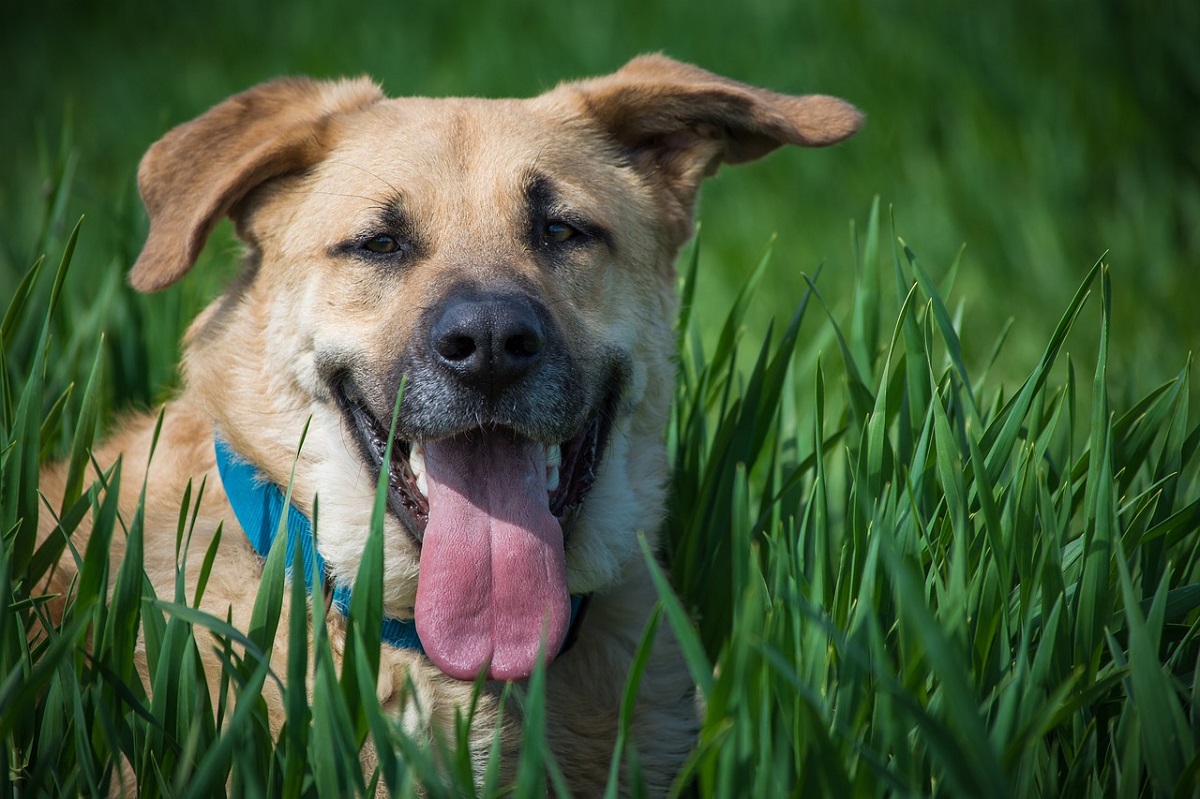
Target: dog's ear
[
  {"x": 677, "y": 123},
  {"x": 195, "y": 174}
]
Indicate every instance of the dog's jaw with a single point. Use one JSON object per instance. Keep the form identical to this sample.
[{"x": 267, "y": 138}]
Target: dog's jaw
[
  {"x": 492, "y": 512},
  {"x": 571, "y": 466}
]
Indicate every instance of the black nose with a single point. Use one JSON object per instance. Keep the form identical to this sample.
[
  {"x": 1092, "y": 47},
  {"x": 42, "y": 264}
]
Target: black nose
[{"x": 488, "y": 343}]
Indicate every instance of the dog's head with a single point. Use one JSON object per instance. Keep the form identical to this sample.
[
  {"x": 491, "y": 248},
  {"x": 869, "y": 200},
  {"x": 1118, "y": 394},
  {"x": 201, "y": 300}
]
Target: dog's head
[{"x": 510, "y": 264}]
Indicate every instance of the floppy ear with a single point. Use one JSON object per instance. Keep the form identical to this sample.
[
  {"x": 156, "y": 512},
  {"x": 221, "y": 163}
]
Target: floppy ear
[
  {"x": 677, "y": 123},
  {"x": 195, "y": 174}
]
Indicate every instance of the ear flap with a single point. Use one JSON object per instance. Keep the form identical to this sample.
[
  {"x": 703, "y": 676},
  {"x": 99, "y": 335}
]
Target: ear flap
[
  {"x": 678, "y": 123},
  {"x": 195, "y": 174}
]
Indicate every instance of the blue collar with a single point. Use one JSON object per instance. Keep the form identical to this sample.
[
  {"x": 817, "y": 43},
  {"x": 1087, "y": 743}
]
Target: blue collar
[{"x": 258, "y": 505}]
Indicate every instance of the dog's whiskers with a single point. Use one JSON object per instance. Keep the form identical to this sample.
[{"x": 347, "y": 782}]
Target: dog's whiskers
[{"x": 366, "y": 171}]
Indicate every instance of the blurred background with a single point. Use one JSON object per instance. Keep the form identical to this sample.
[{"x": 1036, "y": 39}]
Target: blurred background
[{"x": 1040, "y": 135}]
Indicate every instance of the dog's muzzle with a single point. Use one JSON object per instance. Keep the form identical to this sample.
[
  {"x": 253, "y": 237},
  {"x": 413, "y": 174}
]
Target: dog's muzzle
[{"x": 498, "y": 442}]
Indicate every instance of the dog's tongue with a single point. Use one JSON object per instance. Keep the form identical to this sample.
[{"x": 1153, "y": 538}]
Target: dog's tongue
[{"x": 493, "y": 571}]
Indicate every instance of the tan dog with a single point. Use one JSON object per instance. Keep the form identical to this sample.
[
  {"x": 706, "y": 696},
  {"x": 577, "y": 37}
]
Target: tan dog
[{"x": 512, "y": 261}]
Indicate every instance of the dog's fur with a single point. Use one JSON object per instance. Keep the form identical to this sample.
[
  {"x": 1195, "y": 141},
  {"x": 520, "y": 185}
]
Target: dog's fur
[{"x": 568, "y": 210}]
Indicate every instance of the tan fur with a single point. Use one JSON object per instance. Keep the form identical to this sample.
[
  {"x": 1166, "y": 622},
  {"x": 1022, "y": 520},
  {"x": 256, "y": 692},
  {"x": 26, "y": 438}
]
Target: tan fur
[{"x": 301, "y": 167}]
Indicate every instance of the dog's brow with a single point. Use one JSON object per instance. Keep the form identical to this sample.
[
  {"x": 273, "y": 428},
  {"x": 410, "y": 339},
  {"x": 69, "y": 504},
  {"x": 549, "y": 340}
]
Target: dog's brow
[
  {"x": 390, "y": 218},
  {"x": 366, "y": 171},
  {"x": 539, "y": 191},
  {"x": 393, "y": 216},
  {"x": 543, "y": 199},
  {"x": 372, "y": 200}
]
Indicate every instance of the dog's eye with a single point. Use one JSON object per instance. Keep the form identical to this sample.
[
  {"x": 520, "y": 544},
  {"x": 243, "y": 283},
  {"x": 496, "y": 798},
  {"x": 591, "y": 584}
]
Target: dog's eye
[
  {"x": 560, "y": 231},
  {"x": 382, "y": 244}
]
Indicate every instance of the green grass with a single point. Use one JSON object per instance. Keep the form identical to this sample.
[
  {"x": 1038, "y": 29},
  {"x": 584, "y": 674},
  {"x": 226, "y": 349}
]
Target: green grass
[{"x": 907, "y": 578}]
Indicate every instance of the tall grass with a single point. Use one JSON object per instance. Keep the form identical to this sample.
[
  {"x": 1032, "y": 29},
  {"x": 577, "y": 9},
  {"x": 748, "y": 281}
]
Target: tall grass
[
  {"x": 905, "y": 580},
  {"x": 934, "y": 585}
]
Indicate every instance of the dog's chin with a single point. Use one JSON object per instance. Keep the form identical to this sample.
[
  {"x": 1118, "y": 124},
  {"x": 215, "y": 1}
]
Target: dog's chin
[{"x": 571, "y": 465}]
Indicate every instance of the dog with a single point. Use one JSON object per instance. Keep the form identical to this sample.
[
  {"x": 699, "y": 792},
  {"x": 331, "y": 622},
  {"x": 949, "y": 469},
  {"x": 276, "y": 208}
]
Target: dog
[{"x": 506, "y": 269}]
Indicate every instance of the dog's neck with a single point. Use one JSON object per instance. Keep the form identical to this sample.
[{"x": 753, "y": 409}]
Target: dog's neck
[{"x": 260, "y": 505}]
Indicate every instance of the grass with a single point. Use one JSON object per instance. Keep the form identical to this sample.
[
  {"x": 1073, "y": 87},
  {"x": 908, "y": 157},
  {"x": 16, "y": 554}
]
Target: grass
[{"x": 906, "y": 576}]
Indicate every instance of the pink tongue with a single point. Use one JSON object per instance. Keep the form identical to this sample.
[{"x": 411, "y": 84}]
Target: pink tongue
[{"x": 493, "y": 573}]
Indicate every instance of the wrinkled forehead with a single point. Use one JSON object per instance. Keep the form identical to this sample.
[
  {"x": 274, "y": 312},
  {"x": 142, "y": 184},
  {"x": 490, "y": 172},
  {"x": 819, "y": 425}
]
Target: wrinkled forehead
[{"x": 455, "y": 152}]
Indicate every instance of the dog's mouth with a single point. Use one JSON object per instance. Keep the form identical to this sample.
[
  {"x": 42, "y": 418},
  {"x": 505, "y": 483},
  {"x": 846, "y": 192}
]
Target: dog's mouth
[
  {"x": 491, "y": 509},
  {"x": 569, "y": 472}
]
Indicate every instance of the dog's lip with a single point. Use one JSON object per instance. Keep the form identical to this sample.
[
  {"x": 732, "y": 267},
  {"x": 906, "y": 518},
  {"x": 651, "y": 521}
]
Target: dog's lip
[
  {"x": 580, "y": 459},
  {"x": 405, "y": 502}
]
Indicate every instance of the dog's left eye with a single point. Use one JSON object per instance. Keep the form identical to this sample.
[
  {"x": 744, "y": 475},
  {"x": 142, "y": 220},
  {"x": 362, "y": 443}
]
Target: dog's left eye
[
  {"x": 560, "y": 231},
  {"x": 381, "y": 245}
]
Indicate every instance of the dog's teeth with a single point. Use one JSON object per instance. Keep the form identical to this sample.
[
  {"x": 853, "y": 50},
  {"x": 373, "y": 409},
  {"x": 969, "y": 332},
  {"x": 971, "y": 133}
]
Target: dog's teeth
[
  {"x": 553, "y": 461},
  {"x": 416, "y": 462}
]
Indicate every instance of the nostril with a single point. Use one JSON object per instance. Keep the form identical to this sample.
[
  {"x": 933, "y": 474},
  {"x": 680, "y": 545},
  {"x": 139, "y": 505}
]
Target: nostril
[
  {"x": 488, "y": 343},
  {"x": 524, "y": 344},
  {"x": 455, "y": 347}
]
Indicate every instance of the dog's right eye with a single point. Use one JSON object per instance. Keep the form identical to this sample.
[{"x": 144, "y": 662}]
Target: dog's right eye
[
  {"x": 559, "y": 232},
  {"x": 381, "y": 245}
]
